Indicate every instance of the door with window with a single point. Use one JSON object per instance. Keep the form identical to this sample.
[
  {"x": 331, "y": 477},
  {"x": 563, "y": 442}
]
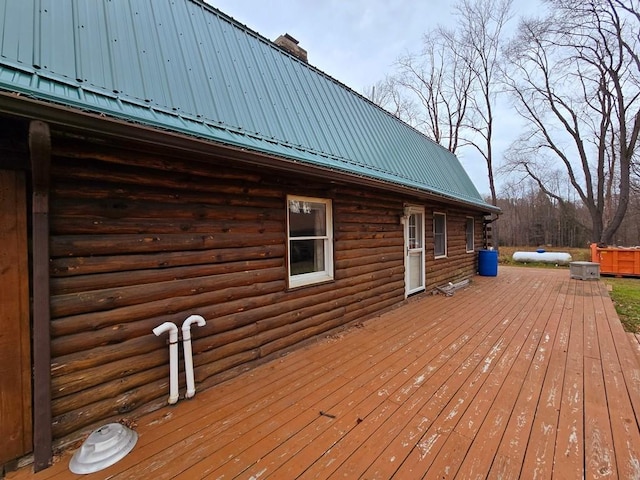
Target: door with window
[{"x": 414, "y": 251}]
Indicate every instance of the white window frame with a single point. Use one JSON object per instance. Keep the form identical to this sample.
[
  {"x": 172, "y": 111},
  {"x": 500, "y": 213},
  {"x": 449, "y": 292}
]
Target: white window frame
[
  {"x": 470, "y": 221},
  {"x": 319, "y": 276},
  {"x": 443, "y": 234}
]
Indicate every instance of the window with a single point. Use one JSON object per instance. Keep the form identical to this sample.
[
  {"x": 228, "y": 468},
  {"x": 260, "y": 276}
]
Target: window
[
  {"x": 440, "y": 234},
  {"x": 415, "y": 231},
  {"x": 310, "y": 240},
  {"x": 469, "y": 234}
]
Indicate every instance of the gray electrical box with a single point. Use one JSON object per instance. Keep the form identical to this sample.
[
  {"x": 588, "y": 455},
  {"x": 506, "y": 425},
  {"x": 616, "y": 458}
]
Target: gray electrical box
[{"x": 584, "y": 270}]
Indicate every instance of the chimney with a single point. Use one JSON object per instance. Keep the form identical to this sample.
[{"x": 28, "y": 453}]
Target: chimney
[{"x": 290, "y": 44}]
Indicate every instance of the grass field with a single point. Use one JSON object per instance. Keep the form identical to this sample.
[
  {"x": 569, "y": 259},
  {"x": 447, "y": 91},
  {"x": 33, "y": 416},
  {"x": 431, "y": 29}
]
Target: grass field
[{"x": 625, "y": 292}]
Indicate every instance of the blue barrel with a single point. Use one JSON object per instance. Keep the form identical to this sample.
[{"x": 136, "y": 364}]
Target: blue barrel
[{"x": 488, "y": 263}]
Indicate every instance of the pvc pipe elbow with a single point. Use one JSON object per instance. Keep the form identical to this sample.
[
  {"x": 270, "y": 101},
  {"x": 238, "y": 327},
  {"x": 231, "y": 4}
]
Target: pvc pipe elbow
[
  {"x": 173, "y": 357},
  {"x": 186, "y": 325},
  {"x": 167, "y": 327},
  {"x": 188, "y": 356}
]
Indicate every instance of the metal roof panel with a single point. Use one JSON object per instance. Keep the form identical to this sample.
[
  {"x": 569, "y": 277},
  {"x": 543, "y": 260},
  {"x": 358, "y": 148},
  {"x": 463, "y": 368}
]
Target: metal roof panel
[{"x": 183, "y": 65}]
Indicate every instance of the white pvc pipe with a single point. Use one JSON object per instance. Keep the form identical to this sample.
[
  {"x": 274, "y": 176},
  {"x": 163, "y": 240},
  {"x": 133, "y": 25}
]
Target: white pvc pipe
[
  {"x": 173, "y": 357},
  {"x": 188, "y": 356}
]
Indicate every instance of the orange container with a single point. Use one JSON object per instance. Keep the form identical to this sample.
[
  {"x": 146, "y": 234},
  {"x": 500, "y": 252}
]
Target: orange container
[{"x": 617, "y": 260}]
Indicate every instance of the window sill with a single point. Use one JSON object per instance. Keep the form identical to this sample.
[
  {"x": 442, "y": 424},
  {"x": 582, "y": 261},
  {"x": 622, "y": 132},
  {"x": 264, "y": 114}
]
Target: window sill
[{"x": 309, "y": 279}]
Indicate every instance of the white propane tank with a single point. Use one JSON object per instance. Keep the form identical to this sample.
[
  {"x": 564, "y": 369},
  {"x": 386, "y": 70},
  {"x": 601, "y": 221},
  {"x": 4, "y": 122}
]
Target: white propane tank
[{"x": 561, "y": 258}]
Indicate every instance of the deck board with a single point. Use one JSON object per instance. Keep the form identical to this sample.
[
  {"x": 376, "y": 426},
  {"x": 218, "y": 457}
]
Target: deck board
[
  {"x": 525, "y": 374},
  {"x": 514, "y": 444},
  {"x": 539, "y": 457},
  {"x": 490, "y": 414},
  {"x": 569, "y": 450},
  {"x": 445, "y": 377},
  {"x": 626, "y": 437}
]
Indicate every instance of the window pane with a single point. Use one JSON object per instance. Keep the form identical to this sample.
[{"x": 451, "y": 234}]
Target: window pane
[
  {"x": 439, "y": 244},
  {"x": 307, "y": 219},
  {"x": 439, "y": 234},
  {"x": 415, "y": 231},
  {"x": 415, "y": 271},
  {"x": 469, "y": 232},
  {"x": 306, "y": 256}
]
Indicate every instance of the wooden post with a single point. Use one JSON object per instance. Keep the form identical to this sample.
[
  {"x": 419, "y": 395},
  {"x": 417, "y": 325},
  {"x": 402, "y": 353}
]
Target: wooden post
[
  {"x": 40, "y": 152},
  {"x": 16, "y": 416}
]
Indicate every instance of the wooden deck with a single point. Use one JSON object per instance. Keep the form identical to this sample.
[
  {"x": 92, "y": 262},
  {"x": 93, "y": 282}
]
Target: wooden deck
[{"x": 525, "y": 375}]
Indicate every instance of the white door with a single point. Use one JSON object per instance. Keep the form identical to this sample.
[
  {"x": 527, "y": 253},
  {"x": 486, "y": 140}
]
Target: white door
[{"x": 414, "y": 251}]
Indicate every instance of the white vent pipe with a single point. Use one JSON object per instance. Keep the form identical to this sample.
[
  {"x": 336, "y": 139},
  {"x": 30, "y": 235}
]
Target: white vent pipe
[
  {"x": 173, "y": 357},
  {"x": 188, "y": 356}
]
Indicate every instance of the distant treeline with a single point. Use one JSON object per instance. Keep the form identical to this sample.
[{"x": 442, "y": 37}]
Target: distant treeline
[{"x": 534, "y": 219}]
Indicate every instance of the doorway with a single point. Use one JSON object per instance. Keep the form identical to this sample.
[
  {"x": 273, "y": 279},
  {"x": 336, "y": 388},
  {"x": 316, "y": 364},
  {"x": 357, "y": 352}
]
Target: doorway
[
  {"x": 15, "y": 338},
  {"x": 414, "y": 250}
]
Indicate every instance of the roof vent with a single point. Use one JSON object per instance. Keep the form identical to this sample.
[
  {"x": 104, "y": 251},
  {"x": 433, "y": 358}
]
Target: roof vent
[
  {"x": 103, "y": 448},
  {"x": 290, "y": 44}
]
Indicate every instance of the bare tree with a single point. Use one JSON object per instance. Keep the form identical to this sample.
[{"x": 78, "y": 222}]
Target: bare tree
[
  {"x": 455, "y": 80},
  {"x": 441, "y": 82},
  {"x": 575, "y": 78},
  {"x": 478, "y": 43},
  {"x": 387, "y": 94}
]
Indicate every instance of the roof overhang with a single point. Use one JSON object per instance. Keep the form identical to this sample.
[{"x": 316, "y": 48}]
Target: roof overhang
[{"x": 102, "y": 126}]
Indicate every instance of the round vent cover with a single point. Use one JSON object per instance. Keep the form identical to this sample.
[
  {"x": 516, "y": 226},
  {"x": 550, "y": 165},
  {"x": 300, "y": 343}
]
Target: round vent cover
[{"x": 103, "y": 448}]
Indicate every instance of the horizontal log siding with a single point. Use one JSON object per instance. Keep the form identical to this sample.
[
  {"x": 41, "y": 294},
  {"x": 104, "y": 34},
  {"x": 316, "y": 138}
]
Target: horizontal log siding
[
  {"x": 458, "y": 264},
  {"x": 137, "y": 240}
]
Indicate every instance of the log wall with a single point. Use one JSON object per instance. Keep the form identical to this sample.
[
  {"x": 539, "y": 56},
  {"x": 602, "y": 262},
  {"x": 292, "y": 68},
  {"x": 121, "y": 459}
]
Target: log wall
[
  {"x": 138, "y": 239},
  {"x": 458, "y": 264}
]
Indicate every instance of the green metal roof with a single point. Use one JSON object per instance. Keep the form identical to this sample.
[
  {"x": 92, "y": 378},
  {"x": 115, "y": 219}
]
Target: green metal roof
[{"x": 182, "y": 65}]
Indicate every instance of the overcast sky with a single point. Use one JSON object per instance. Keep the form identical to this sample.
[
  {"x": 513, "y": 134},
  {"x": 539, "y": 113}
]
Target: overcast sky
[{"x": 357, "y": 42}]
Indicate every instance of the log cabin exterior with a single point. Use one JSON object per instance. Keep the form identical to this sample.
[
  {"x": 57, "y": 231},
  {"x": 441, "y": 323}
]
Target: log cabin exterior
[{"x": 159, "y": 159}]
